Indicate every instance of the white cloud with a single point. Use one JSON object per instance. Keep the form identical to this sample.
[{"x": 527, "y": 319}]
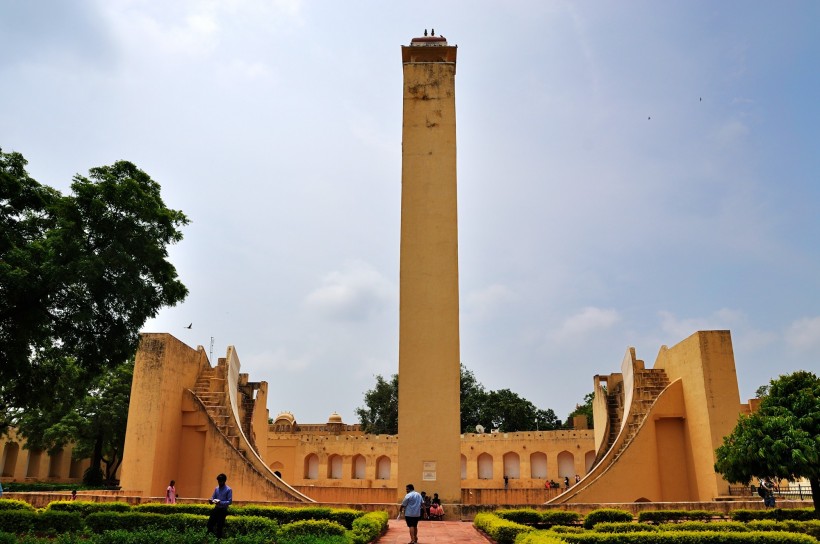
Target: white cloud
[
  {"x": 803, "y": 335},
  {"x": 355, "y": 293},
  {"x": 588, "y": 320}
]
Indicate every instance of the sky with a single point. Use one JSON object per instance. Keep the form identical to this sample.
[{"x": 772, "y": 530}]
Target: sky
[{"x": 628, "y": 173}]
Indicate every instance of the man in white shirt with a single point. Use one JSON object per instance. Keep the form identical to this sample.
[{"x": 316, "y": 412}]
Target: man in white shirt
[{"x": 411, "y": 506}]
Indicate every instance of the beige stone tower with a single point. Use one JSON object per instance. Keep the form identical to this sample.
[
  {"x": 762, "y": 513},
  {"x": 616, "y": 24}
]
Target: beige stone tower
[{"x": 429, "y": 406}]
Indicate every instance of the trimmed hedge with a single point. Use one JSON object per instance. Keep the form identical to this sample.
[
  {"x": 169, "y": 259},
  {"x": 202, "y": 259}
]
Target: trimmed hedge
[
  {"x": 501, "y": 530},
  {"x": 87, "y": 507},
  {"x": 542, "y": 537},
  {"x": 560, "y": 517},
  {"x": 524, "y": 516},
  {"x": 606, "y": 515},
  {"x": 17, "y": 521},
  {"x": 313, "y": 527},
  {"x": 563, "y": 529},
  {"x": 684, "y": 537},
  {"x": 528, "y": 516},
  {"x": 368, "y": 527},
  {"x": 100, "y": 522},
  {"x": 730, "y": 526},
  {"x": 623, "y": 527},
  {"x": 776, "y": 514},
  {"x": 666, "y": 516},
  {"x": 14, "y": 504},
  {"x": 811, "y": 527},
  {"x": 58, "y": 522},
  {"x": 179, "y": 508}
]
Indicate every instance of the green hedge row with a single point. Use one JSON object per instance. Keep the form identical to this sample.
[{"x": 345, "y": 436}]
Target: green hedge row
[
  {"x": 501, "y": 530},
  {"x": 368, "y": 527},
  {"x": 528, "y": 516},
  {"x": 65, "y": 522},
  {"x": 282, "y": 515},
  {"x": 606, "y": 515},
  {"x": 84, "y": 508},
  {"x": 666, "y": 516},
  {"x": 23, "y": 521},
  {"x": 626, "y": 531},
  {"x": 13, "y": 504},
  {"x": 776, "y": 514},
  {"x": 679, "y": 537}
]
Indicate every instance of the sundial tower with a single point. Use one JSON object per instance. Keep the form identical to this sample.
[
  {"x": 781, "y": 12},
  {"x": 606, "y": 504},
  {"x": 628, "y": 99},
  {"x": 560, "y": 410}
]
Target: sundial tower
[{"x": 429, "y": 454}]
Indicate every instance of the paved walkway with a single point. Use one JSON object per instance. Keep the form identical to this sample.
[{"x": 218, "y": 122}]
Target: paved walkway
[{"x": 433, "y": 532}]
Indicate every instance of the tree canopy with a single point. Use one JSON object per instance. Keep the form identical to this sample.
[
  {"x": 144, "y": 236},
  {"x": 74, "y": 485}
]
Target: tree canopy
[
  {"x": 584, "y": 409},
  {"x": 781, "y": 439},
  {"x": 503, "y": 409},
  {"x": 94, "y": 422},
  {"x": 79, "y": 275}
]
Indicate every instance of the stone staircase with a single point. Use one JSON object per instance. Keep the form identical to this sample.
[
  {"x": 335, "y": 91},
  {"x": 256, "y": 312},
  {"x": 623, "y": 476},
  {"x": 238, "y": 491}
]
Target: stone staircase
[
  {"x": 648, "y": 384},
  {"x": 210, "y": 388}
]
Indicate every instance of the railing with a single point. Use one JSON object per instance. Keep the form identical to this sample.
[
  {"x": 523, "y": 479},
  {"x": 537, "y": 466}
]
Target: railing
[{"x": 793, "y": 492}]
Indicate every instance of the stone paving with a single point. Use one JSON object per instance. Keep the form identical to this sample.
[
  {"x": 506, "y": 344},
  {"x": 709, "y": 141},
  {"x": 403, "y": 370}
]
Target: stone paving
[{"x": 433, "y": 532}]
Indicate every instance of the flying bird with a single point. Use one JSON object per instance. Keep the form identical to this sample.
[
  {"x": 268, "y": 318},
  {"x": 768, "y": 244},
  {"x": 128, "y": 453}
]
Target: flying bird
[{"x": 189, "y": 325}]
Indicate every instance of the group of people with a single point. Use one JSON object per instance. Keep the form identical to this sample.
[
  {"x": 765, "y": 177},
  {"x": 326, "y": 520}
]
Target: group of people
[{"x": 417, "y": 506}]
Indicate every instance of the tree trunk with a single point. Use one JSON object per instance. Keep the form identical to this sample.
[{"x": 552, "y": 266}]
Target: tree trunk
[
  {"x": 96, "y": 456},
  {"x": 815, "y": 494}
]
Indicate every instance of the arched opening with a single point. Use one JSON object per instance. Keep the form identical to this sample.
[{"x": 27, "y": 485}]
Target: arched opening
[
  {"x": 359, "y": 466},
  {"x": 383, "y": 468},
  {"x": 34, "y": 458},
  {"x": 512, "y": 465},
  {"x": 334, "y": 467},
  {"x": 538, "y": 466},
  {"x": 589, "y": 460},
  {"x": 463, "y": 467},
  {"x": 485, "y": 466},
  {"x": 566, "y": 466},
  {"x": 312, "y": 467},
  {"x": 277, "y": 467},
  {"x": 10, "y": 458}
]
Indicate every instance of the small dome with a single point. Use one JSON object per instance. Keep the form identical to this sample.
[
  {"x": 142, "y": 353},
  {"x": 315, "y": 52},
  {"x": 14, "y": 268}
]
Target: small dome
[
  {"x": 284, "y": 418},
  {"x": 334, "y": 418}
]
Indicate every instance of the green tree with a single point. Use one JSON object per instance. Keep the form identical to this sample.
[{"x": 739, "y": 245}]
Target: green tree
[
  {"x": 79, "y": 275},
  {"x": 94, "y": 420},
  {"x": 502, "y": 409},
  {"x": 473, "y": 400},
  {"x": 508, "y": 412},
  {"x": 781, "y": 439},
  {"x": 380, "y": 415},
  {"x": 584, "y": 409}
]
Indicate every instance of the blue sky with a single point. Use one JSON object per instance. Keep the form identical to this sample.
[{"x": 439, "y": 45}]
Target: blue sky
[{"x": 629, "y": 173}]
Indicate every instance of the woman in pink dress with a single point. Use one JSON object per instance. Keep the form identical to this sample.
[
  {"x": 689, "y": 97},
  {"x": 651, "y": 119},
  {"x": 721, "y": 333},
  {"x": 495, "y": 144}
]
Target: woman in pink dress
[{"x": 171, "y": 493}]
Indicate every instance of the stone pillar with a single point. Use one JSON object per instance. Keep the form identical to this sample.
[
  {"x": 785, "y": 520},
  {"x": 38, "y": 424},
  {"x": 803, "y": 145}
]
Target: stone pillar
[{"x": 429, "y": 373}]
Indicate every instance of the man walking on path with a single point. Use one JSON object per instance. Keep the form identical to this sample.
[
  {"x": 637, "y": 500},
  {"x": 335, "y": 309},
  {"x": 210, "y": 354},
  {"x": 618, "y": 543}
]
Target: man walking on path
[
  {"x": 221, "y": 499},
  {"x": 411, "y": 506}
]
